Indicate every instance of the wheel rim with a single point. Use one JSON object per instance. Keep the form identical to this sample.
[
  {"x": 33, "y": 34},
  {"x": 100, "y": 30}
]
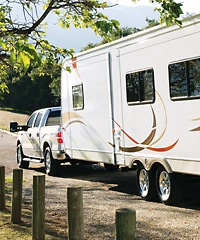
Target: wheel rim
[
  {"x": 164, "y": 185},
  {"x": 144, "y": 182},
  {"x": 48, "y": 161}
]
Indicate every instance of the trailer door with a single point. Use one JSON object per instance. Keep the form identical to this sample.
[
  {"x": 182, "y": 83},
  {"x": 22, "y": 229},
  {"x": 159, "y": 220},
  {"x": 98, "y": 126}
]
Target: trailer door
[
  {"x": 87, "y": 109},
  {"x": 138, "y": 98}
]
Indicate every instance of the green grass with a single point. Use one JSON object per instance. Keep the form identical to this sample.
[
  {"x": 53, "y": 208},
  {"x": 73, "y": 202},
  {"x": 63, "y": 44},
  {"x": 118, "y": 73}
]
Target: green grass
[
  {"x": 12, "y": 231},
  {"x": 9, "y": 230},
  {"x": 23, "y": 230},
  {"x": 3, "y": 127}
]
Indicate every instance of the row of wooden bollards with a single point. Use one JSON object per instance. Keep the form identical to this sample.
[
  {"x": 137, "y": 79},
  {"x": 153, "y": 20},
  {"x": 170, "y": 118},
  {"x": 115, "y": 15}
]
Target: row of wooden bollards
[{"x": 125, "y": 217}]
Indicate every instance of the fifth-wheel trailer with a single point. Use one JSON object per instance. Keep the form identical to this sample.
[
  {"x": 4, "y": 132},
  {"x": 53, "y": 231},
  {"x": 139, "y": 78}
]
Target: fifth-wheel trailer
[{"x": 135, "y": 102}]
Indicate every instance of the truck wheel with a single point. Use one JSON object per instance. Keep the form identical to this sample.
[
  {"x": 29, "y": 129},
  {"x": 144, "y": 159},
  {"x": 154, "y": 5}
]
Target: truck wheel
[
  {"x": 169, "y": 186},
  {"x": 20, "y": 156},
  {"x": 51, "y": 164},
  {"x": 146, "y": 184}
]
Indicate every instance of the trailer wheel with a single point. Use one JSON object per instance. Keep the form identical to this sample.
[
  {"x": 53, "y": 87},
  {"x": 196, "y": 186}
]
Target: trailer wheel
[
  {"x": 20, "y": 158},
  {"x": 169, "y": 186},
  {"x": 146, "y": 183},
  {"x": 51, "y": 165}
]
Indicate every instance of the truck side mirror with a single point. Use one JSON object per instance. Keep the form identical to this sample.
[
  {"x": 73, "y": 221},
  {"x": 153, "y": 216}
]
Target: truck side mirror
[{"x": 13, "y": 126}]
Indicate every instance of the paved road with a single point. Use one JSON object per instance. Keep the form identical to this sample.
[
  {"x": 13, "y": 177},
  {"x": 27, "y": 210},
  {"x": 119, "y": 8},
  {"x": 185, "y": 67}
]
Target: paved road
[
  {"x": 103, "y": 193},
  {"x": 7, "y": 150},
  {"x": 85, "y": 173}
]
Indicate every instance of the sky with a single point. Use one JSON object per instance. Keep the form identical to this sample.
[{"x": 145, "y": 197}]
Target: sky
[
  {"x": 188, "y": 5},
  {"x": 129, "y": 14}
]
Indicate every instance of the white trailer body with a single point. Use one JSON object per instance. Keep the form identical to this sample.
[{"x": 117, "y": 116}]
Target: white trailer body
[{"x": 136, "y": 101}]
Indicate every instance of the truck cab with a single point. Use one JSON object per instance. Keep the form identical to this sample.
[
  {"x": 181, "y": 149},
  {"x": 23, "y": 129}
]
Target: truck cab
[{"x": 40, "y": 139}]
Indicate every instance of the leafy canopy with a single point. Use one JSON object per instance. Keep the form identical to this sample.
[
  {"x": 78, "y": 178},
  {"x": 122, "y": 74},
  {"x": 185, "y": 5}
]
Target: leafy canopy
[{"x": 23, "y": 45}]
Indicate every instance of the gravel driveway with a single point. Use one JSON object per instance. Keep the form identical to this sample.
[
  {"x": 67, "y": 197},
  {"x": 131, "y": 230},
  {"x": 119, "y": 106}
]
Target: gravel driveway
[{"x": 103, "y": 193}]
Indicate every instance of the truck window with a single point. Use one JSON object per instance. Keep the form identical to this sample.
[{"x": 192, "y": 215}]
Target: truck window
[
  {"x": 184, "y": 79},
  {"x": 53, "y": 118},
  {"x": 30, "y": 120},
  {"x": 38, "y": 119},
  {"x": 77, "y": 95},
  {"x": 140, "y": 87}
]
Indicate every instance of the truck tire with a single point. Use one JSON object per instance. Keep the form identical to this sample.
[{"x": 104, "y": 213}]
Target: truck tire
[
  {"x": 146, "y": 184},
  {"x": 51, "y": 165},
  {"x": 169, "y": 186},
  {"x": 20, "y": 158}
]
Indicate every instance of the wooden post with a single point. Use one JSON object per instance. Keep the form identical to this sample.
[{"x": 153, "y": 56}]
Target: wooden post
[
  {"x": 38, "y": 211},
  {"x": 17, "y": 195},
  {"x": 125, "y": 224},
  {"x": 75, "y": 213},
  {"x": 2, "y": 187}
]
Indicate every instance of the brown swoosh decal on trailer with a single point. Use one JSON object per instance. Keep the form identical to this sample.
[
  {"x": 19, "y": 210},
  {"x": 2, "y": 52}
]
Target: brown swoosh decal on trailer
[
  {"x": 147, "y": 142},
  {"x": 163, "y": 149},
  {"x": 69, "y": 118},
  {"x": 197, "y": 128},
  {"x": 149, "y": 139},
  {"x": 137, "y": 149}
]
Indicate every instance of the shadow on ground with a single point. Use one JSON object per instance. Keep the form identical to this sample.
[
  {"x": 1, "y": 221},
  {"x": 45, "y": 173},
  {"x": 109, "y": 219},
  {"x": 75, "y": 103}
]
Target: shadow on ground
[{"x": 123, "y": 181}]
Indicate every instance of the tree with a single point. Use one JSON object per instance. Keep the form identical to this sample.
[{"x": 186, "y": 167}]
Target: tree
[
  {"x": 122, "y": 32},
  {"x": 23, "y": 46},
  {"x": 28, "y": 95},
  {"x": 116, "y": 34}
]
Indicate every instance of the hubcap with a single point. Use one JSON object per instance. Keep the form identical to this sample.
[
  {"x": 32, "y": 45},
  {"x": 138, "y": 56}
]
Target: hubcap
[
  {"x": 164, "y": 185},
  {"x": 144, "y": 182},
  {"x": 19, "y": 156},
  {"x": 48, "y": 162}
]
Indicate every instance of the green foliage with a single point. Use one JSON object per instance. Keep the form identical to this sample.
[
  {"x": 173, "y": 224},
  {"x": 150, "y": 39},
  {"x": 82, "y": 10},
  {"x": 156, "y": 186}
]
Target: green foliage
[
  {"x": 151, "y": 23},
  {"x": 169, "y": 11},
  {"x": 28, "y": 94},
  {"x": 122, "y": 32},
  {"x": 24, "y": 48},
  {"x": 23, "y": 54}
]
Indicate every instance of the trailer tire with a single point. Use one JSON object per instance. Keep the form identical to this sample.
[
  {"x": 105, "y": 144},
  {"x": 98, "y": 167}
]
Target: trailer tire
[
  {"x": 169, "y": 186},
  {"x": 146, "y": 184},
  {"x": 20, "y": 158},
  {"x": 51, "y": 165}
]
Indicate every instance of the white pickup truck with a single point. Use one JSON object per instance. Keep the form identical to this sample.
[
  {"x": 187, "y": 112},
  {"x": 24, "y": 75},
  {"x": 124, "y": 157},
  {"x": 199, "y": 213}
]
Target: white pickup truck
[{"x": 40, "y": 140}]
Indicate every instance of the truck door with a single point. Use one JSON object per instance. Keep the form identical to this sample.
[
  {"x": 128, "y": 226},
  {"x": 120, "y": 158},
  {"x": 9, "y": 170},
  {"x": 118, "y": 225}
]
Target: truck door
[
  {"x": 31, "y": 138},
  {"x": 34, "y": 134}
]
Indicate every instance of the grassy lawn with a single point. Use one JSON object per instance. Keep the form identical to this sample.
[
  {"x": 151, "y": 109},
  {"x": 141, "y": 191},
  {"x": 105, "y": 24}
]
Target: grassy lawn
[
  {"x": 12, "y": 231},
  {"x": 9, "y": 230},
  {"x": 23, "y": 231}
]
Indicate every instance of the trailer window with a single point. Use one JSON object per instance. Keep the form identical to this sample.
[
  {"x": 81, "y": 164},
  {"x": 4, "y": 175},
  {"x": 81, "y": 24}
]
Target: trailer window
[
  {"x": 77, "y": 94},
  {"x": 184, "y": 78},
  {"x": 140, "y": 87}
]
